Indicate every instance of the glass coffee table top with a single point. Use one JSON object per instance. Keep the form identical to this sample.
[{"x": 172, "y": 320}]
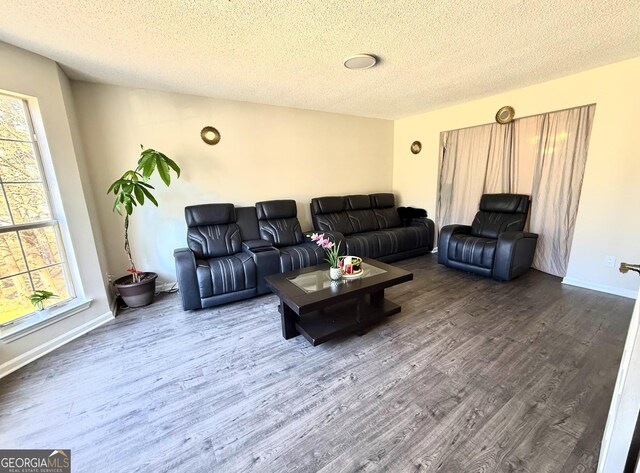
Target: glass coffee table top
[{"x": 319, "y": 279}]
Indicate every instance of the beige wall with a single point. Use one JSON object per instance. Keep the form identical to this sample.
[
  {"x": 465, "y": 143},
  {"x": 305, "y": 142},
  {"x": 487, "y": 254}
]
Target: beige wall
[
  {"x": 609, "y": 217},
  {"x": 34, "y": 76},
  {"x": 265, "y": 153}
]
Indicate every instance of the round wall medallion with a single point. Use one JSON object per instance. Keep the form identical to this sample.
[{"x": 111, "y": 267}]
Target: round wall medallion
[
  {"x": 505, "y": 114},
  {"x": 416, "y": 147},
  {"x": 210, "y": 135}
]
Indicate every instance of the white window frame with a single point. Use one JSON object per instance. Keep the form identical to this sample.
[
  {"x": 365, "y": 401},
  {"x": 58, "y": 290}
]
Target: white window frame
[{"x": 77, "y": 301}]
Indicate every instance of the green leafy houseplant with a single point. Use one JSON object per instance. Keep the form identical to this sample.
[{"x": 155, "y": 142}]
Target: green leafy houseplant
[
  {"x": 133, "y": 190},
  {"x": 38, "y": 298}
]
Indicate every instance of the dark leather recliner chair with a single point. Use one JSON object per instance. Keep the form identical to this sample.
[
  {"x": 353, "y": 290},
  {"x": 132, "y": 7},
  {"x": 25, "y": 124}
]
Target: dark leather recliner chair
[
  {"x": 278, "y": 224},
  {"x": 495, "y": 244},
  {"x": 218, "y": 266}
]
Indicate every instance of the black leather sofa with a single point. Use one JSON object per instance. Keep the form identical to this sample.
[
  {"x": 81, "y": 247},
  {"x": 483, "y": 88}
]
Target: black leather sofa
[
  {"x": 494, "y": 245},
  {"x": 370, "y": 226}
]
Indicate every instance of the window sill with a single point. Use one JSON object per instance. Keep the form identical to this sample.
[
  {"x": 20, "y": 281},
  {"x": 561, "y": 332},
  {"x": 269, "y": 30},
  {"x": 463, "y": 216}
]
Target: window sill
[{"x": 38, "y": 320}]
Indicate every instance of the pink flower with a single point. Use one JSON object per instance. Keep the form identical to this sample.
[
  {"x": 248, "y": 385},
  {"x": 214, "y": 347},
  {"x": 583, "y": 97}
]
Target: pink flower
[
  {"x": 329, "y": 245},
  {"x": 314, "y": 237}
]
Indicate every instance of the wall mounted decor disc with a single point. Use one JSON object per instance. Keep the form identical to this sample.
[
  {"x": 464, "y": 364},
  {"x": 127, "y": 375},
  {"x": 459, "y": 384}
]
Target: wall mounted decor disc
[
  {"x": 210, "y": 135},
  {"x": 416, "y": 147},
  {"x": 505, "y": 114}
]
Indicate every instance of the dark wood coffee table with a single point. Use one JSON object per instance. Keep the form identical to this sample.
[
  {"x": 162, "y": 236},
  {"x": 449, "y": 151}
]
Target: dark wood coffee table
[{"x": 320, "y": 309}]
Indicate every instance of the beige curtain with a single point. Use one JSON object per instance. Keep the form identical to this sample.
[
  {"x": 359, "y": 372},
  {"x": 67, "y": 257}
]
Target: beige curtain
[
  {"x": 472, "y": 164},
  {"x": 543, "y": 156}
]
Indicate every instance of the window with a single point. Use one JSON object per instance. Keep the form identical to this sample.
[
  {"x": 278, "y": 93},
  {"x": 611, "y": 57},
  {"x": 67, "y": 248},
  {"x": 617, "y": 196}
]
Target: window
[{"x": 31, "y": 253}]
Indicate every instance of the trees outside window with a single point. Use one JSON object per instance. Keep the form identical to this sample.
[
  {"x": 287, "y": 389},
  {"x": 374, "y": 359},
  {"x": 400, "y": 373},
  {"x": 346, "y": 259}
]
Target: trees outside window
[{"x": 31, "y": 253}]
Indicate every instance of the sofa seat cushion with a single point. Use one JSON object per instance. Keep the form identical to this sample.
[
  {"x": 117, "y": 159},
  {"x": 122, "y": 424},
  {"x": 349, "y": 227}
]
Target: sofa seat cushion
[
  {"x": 366, "y": 245},
  {"x": 300, "y": 256},
  {"x": 225, "y": 274},
  {"x": 404, "y": 239},
  {"x": 472, "y": 250}
]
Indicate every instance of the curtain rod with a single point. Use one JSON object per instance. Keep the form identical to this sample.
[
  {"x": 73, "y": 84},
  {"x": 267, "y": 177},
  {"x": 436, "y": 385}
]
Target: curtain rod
[{"x": 520, "y": 118}]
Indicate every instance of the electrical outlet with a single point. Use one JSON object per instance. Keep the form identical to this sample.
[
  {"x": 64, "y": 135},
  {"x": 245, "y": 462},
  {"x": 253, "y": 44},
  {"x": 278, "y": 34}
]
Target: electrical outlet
[{"x": 610, "y": 261}]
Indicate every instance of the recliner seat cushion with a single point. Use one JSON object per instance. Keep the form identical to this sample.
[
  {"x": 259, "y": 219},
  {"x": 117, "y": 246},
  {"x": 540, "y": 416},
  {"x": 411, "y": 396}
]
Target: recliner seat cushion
[
  {"x": 472, "y": 250},
  {"x": 300, "y": 256},
  {"x": 210, "y": 241},
  {"x": 225, "y": 274}
]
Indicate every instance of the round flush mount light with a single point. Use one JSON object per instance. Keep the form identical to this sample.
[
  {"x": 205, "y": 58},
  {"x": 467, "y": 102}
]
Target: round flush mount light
[
  {"x": 210, "y": 135},
  {"x": 360, "y": 61}
]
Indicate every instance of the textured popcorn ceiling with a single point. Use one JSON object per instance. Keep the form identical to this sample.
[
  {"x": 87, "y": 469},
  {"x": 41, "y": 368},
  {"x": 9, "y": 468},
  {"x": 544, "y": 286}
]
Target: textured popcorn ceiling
[{"x": 433, "y": 53}]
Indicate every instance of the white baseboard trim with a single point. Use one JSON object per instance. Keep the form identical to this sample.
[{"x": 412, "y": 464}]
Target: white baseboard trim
[
  {"x": 630, "y": 293},
  {"x": 41, "y": 350}
]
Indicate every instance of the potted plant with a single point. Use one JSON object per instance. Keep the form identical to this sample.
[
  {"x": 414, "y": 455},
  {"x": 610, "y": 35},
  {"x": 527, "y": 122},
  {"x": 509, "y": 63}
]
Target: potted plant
[
  {"x": 332, "y": 251},
  {"x": 38, "y": 298},
  {"x": 132, "y": 190}
]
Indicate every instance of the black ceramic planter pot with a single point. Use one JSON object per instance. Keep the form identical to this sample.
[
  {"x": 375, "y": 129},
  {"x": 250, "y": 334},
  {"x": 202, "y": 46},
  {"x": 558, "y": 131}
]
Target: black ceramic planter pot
[{"x": 137, "y": 294}]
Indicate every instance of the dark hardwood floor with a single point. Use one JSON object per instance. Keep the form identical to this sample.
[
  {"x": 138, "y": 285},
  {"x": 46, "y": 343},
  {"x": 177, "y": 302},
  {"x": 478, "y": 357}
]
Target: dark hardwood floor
[{"x": 472, "y": 376}]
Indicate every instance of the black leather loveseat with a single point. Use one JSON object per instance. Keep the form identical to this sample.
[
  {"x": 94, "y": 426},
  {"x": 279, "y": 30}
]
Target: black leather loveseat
[
  {"x": 495, "y": 244},
  {"x": 231, "y": 250},
  {"x": 371, "y": 227},
  {"x": 226, "y": 260}
]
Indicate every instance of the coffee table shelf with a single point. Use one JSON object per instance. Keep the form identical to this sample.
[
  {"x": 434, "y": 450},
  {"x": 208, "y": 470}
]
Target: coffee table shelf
[{"x": 342, "y": 319}]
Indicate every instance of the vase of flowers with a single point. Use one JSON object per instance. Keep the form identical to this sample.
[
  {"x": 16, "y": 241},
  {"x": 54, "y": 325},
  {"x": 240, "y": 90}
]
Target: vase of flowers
[{"x": 332, "y": 251}]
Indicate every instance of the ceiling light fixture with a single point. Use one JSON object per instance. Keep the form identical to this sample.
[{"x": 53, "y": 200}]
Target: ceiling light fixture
[{"x": 360, "y": 61}]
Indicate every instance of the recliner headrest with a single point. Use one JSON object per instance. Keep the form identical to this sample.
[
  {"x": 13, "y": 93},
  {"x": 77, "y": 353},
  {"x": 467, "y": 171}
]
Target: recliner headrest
[
  {"x": 276, "y": 209},
  {"x": 327, "y": 205},
  {"x": 358, "y": 202},
  {"x": 506, "y": 203},
  {"x": 383, "y": 200},
  {"x": 209, "y": 214}
]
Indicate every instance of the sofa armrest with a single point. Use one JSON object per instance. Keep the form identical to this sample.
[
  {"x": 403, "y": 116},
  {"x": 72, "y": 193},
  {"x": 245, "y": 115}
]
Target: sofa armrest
[
  {"x": 267, "y": 261},
  {"x": 187, "y": 278},
  {"x": 446, "y": 233},
  {"x": 428, "y": 224},
  {"x": 514, "y": 254},
  {"x": 257, "y": 245}
]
